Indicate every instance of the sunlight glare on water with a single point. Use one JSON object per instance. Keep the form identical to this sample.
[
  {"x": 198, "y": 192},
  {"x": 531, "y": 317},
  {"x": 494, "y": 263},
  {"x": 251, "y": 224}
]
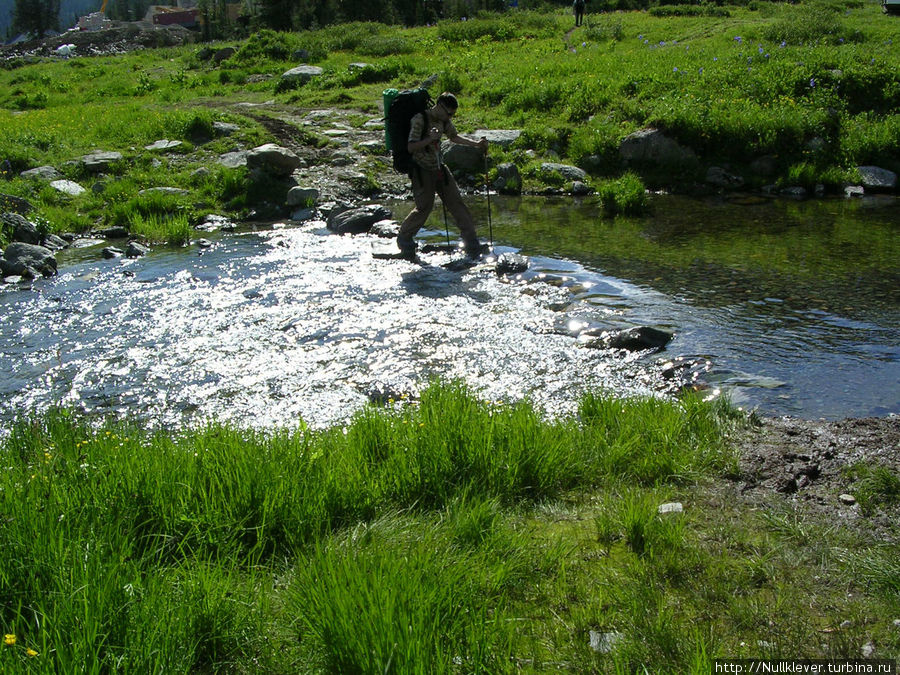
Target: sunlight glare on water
[{"x": 268, "y": 328}]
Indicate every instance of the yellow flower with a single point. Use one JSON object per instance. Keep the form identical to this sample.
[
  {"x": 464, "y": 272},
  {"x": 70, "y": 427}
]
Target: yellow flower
[
  {"x": 31, "y": 652},
  {"x": 9, "y": 639}
]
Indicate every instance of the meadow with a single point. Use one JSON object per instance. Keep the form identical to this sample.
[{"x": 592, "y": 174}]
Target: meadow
[
  {"x": 446, "y": 534},
  {"x": 812, "y": 89}
]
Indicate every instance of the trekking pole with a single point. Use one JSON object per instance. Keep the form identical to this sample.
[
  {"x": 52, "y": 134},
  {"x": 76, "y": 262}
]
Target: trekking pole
[
  {"x": 487, "y": 190},
  {"x": 446, "y": 227}
]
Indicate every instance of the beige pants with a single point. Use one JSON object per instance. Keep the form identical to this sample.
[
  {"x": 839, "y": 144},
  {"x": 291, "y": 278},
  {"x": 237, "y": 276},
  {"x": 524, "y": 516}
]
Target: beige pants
[{"x": 424, "y": 185}]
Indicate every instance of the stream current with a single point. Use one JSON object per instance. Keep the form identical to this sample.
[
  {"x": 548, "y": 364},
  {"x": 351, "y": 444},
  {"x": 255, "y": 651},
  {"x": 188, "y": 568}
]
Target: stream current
[{"x": 275, "y": 324}]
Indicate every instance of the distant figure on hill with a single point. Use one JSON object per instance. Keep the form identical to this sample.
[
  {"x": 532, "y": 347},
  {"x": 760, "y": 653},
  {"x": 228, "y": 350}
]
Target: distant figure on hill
[{"x": 578, "y": 8}]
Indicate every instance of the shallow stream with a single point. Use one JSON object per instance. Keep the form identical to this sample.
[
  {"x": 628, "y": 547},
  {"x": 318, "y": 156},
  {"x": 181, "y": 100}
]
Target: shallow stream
[{"x": 787, "y": 307}]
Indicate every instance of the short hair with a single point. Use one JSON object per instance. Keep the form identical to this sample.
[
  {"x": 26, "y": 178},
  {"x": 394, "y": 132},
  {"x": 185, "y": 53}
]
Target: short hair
[{"x": 448, "y": 100}]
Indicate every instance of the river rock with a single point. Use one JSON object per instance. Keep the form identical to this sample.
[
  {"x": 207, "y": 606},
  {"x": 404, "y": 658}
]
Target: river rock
[
  {"x": 68, "y": 187},
  {"x": 462, "y": 157},
  {"x": 572, "y": 173},
  {"x": 764, "y": 166},
  {"x": 111, "y": 252},
  {"x": 721, "y": 178},
  {"x": 47, "y": 173},
  {"x": 13, "y": 204},
  {"x": 22, "y": 229},
  {"x": 273, "y": 159},
  {"x": 300, "y": 74},
  {"x": 652, "y": 147},
  {"x": 386, "y": 228},
  {"x": 53, "y": 242},
  {"x": 136, "y": 250},
  {"x": 876, "y": 178},
  {"x": 299, "y": 195},
  {"x": 633, "y": 339},
  {"x": 511, "y": 263},
  {"x": 509, "y": 180},
  {"x": 100, "y": 161},
  {"x": 580, "y": 189},
  {"x": 27, "y": 260},
  {"x": 357, "y": 220},
  {"x": 113, "y": 233},
  {"x": 640, "y": 337}
]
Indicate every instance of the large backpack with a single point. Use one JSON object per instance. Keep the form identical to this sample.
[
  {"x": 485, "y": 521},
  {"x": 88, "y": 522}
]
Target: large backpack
[{"x": 403, "y": 108}]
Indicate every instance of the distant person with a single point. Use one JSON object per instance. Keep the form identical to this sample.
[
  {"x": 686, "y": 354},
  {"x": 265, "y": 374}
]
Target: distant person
[
  {"x": 429, "y": 175},
  {"x": 578, "y": 8}
]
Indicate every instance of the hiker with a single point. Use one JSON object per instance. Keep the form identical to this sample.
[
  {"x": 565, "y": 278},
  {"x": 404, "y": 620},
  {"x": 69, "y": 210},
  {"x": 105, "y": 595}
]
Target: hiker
[
  {"x": 430, "y": 176},
  {"x": 578, "y": 8}
]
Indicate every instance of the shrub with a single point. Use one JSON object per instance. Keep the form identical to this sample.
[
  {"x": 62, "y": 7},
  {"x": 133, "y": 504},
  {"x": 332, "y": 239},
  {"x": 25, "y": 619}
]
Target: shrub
[{"x": 266, "y": 45}]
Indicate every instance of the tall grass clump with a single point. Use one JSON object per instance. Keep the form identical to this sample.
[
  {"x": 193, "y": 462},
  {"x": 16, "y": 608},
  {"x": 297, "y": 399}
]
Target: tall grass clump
[
  {"x": 175, "y": 230},
  {"x": 624, "y": 196},
  {"x": 398, "y": 596}
]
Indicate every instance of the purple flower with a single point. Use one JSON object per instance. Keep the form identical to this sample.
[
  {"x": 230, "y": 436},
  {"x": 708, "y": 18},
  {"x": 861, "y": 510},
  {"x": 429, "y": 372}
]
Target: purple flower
[
  {"x": 737, "y": 38},
  {"x": 675, "y": 69},
  {"x": 662, "y": 43},
  {"x": 701, "y": 70},
  {"x": 783, "y": 44},
  {"x": 761, "y": 50},
  {"x": 715, "y": 58},
  {"x": 812, "y": 83}
]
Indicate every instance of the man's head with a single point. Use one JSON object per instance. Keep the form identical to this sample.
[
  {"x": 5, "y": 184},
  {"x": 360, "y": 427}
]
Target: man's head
[{"x": 448, "y": 102}]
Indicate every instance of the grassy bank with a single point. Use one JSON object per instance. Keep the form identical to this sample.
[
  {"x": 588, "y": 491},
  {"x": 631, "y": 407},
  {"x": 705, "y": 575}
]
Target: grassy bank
[
  {"x": 447, "y": 536},
  {"x": 812, "y": 89}
]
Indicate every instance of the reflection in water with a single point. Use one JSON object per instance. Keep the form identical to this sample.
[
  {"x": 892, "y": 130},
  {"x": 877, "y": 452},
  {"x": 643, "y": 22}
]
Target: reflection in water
[{"x": 790, "y": 308}]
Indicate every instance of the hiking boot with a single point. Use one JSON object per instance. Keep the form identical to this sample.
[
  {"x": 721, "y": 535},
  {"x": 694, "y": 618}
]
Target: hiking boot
[
  {"x": 474, "y": 248},
  {"x": 407, "y": 245}
]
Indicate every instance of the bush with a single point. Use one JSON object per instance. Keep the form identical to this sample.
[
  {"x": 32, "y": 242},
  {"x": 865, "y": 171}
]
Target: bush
[{"x": 266, "y": 45}]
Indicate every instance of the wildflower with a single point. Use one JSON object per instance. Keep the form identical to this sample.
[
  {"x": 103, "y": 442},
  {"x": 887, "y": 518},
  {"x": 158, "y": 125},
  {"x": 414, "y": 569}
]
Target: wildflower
[
  {"x": 701, "y": 70},
  {"x": 783, "y": 44},
  {"x": 715, "y": 58},
  {"x": 675, "y": 69},
  {"x": 662, "y": 43},
  {"x": 761, "y": 50},
  {"x": 640, "y": 37},
  {"x": 737, "y": 38},
  {"x": 812, "y": 83},
  {"x": 9, "y": 639},
  {"x": 31, "y": 652}
]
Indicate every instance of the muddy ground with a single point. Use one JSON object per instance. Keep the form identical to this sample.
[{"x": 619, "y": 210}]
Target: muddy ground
[{"x": 810, "y": 465}]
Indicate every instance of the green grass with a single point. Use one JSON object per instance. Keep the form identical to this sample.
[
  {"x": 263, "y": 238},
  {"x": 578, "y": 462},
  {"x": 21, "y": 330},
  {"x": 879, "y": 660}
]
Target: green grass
[
  {"x": 444, "y": 535},
  {"x": 815, "y": 86}
]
